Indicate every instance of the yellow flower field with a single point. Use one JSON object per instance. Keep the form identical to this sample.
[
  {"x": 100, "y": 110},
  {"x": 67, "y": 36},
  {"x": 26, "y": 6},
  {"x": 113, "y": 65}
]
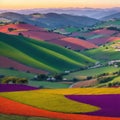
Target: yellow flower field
[{"x": 49, "y": 101}]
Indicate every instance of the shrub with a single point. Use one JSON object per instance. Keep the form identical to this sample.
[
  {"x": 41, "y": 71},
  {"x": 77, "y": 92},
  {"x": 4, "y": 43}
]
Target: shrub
[
  {"x": 11, "y": 29},
  {"x": 89, "y": 77},
  {"x": 106, "y": 79},
  {"x": 58, "y": 77},
  {"x": 42, "y": 77},
  {"x": 21, "y": 80},
  {"x": 9, "y": 79},
  {"x": 15, "y": 80}
]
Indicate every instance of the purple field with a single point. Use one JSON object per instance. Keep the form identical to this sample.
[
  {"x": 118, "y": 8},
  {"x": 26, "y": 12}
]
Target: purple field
[
  {"x": 15, "y": 87},
  {"x": 109, "y": 104}
]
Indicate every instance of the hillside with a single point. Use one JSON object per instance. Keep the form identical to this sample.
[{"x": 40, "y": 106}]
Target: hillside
[
  {"x": 39, "y": 33},
  {"x": 105, "y": 53},
  {"x": 41, "y": 55},
  {"x": 9, "y": 63},
  {"x": 113, "y": 16}
]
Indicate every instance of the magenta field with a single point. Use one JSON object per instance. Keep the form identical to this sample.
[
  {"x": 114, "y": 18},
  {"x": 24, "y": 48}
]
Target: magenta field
[
  {"x": 109, "y": 104},
  {"x": 15, "y": 87}
]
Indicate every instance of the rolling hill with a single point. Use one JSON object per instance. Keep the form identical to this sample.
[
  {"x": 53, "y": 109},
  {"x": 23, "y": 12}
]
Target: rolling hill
[
  {"x": 38, "y": 33},
  {"x": 105, "y": 53},
  {"x": 9, "y": 63},
  {"x": 113, "y": 16},
  {"x": 50, "y": 20},
  {"x": 41, "y": 55}
]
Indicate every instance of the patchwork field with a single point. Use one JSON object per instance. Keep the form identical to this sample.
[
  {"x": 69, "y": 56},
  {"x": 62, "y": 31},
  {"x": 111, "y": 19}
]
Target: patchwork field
[
  {"x": 92, "y": 72},
  {"x": 41, "y": 55},
  {"x": 42, "y": 103},
  {"x": 54, "y": 67},
  {"x": 8, "y": 63},
  {"x": 105, "y": 53},
  {"x": 108, "y": 103},
  {"x": 16, "y": 73},
  {"x": 41, "y": 34}
]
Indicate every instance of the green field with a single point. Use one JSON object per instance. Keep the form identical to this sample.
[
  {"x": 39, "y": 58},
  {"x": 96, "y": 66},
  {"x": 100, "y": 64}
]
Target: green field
[
  {"x": 115, "y": 23},
  {"x": 92, "y": 72},
  {"x": 71, "y": 29},
  {"x": 46, "y": 84},
  {"x": 40, "y": 54},
  {"x": 20, "y": 74},
  {"x": 104, "y": 53},
  {"x": 15, "y": 117},
  {"x": 116, "y": 79}
]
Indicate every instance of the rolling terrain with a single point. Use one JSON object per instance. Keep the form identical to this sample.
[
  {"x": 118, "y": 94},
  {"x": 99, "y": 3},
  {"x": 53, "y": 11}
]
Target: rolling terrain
[
  {"x": 41, "y": 55},
  {"x": 37, "y": 33},
  {"x": 105, "y": 53},
  {"x": 113, "y": 16},
  {"x": 50, "y": 103},
  {"x": 58, "y": 66},
  {"x": 50, "y": 20}
]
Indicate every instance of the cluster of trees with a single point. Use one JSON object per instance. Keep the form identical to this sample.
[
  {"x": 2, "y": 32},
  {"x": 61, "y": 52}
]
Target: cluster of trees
[
  {"x": 42, "y": 77},
  {"x": 113, "y": 28},
  {"x": 14, "y": 80},
  {"x": 114, "y": 84},
  {"x": 11, "y": 29},
  {"x": 105, "y": 79}
]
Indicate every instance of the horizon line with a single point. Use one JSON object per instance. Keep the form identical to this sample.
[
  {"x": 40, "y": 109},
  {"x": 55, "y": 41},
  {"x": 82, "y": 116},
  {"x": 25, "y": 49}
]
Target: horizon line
[{"x": 60, "y": 8}]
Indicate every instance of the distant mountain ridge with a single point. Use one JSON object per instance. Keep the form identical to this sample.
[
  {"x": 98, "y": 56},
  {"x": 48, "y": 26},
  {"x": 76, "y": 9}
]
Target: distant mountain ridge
[
  {"x": 51, "y": 20},
  {"x": 96, "y": 13},
  {"x": 113, "y": 16}
]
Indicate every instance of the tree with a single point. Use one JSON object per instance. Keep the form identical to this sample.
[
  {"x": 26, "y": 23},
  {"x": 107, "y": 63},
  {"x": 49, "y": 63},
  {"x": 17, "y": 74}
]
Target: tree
[
  {"x": 110, "y": 85},
  {"x": 58, "y": 77},
  {"x": 11, "y": 29},
  {"x": 22, "y": 81},
  {"x": 42, "y": 77},
  {"x": 15, "y": 80},
  {"x": 20, "y": 34},
  {"x": 9, "y": 79}
]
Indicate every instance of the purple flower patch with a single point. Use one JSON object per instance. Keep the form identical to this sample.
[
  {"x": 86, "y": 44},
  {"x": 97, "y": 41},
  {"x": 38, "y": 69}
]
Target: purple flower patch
[
  {"x": 109, "y": 104},
  {"x": 15, "y": 87}
]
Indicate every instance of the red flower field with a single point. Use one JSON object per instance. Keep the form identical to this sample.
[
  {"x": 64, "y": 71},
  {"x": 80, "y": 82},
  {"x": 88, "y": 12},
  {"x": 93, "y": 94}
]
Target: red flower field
[{"x": 7, "y": 63}]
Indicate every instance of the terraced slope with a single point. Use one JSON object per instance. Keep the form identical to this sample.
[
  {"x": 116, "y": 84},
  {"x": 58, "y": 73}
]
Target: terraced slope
[{"x": 40, "y": 54}]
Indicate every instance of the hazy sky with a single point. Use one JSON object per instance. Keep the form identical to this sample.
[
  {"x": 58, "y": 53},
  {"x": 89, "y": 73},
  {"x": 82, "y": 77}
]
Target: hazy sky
[{"x": 21, "y": 4}]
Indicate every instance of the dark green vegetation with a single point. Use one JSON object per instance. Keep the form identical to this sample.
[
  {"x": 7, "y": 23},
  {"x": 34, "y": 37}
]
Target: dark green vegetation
[
  {"x": 40, "y": 54},
  {"x": 11, "y": 75},
  {"x": 14, "y": 80},
  {"x": 15, "y": 117}
]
